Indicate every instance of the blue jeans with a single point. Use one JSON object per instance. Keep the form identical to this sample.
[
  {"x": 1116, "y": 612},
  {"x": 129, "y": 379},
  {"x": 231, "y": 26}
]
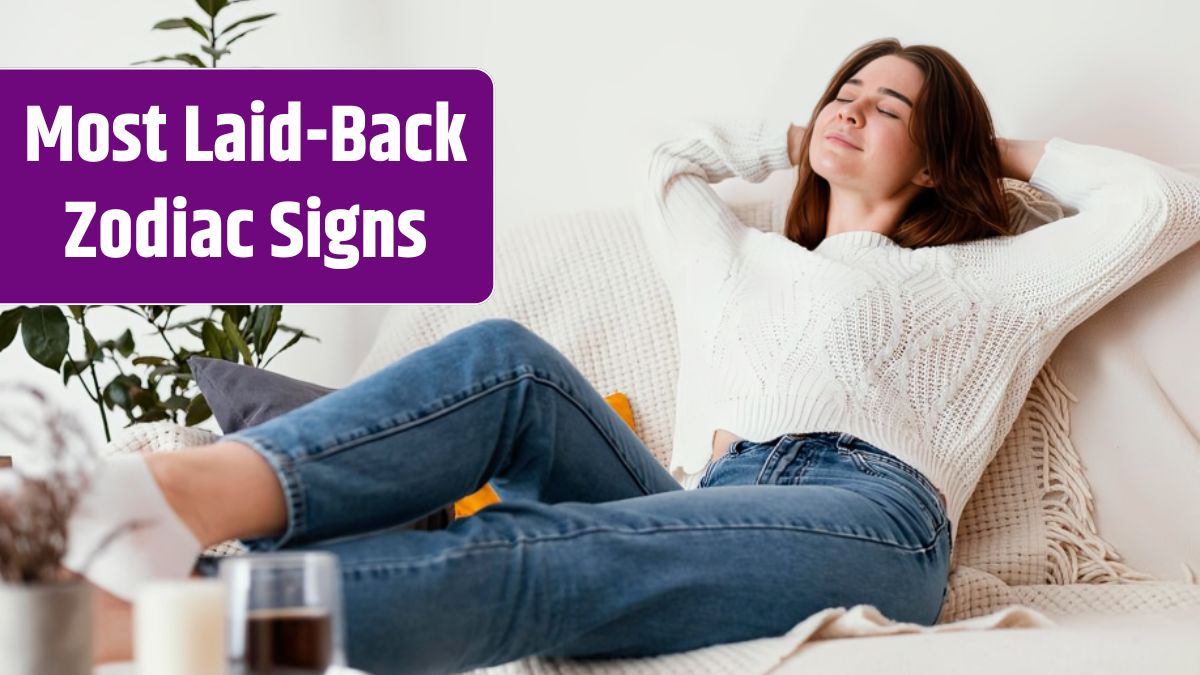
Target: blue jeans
[{"x": 595, "y": 549}]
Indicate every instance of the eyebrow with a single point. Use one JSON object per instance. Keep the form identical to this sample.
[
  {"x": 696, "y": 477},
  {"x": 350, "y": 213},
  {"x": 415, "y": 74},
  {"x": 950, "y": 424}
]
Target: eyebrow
[{"x": 883, "y": 90}]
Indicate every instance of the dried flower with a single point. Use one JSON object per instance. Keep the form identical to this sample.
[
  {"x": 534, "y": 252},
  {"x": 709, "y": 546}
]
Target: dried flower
[{"x": 36, "y": 506}]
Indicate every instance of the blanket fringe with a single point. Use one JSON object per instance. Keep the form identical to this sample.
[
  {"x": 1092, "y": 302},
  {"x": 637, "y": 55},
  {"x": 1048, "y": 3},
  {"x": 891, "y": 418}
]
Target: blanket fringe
[{"x": 1077, "y": 553}]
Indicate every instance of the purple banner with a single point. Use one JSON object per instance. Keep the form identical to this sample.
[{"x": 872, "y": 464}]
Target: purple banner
[{"x": 246, "y": 186}]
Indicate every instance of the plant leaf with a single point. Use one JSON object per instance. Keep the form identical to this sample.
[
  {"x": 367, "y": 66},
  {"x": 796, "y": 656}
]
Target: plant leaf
[
  {"x": 195, "y": 25},
  {"x": 159, "y": 371},
  {"x": 240, "y": 35},
  {"x": 90, "y": 348},
  {"x": 77, "y": 311},
  {"x": 150, "y": 361},
  {"x": 249, "y": 19},
  {"x": 238, "y": 312},
  {"x": 211, "y": 7},
  {"x": 145, "y": 398},
  {"x": 46, "y": 334},
  {"x": 156, "y": 311},
  {"x": 289, "y": 329},
  {"x": 125, "y": 343},
  {"x": 216, "y": 345},
  {"x": 218, "y": 53},
  {"x": 176, "y": 403},
  {"x": 118, "y": 393},
  {"x": 73, "y": 367},
  {"x": 197, "y": 411},
  {"x": 185, "y": 22},
  {"x": 170, "y": 24},
  {"x": 295, "y": 338},
  {"x": 265, "y": 326},
  {"x": 189, "y": 322},
  {"x": 235, "y": 337},
  {"x": 10, "y": 321},
  {"x": 186, "y": 58},
  {"x": 153, "y": 415}
]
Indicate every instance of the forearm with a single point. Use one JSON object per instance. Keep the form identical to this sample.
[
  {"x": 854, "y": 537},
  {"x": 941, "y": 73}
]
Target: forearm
[
  {"x": 1018, "y": 159},
  {"x": 686, "y": 223}
]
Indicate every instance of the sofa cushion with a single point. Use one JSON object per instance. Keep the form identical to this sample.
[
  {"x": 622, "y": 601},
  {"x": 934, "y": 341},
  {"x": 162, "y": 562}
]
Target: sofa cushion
[{"x": 242, "y": 396}]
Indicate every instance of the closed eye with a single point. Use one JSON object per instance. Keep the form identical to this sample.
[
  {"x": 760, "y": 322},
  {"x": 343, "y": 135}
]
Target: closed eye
[{"x": 846, "y": 100}]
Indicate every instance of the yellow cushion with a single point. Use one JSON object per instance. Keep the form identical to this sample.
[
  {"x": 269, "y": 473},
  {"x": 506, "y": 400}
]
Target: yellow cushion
[{"x": 487, "y": 496}]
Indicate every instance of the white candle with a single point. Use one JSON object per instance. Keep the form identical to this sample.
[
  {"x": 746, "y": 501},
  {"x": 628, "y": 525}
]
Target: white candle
[{"x": 179, "y": 628}]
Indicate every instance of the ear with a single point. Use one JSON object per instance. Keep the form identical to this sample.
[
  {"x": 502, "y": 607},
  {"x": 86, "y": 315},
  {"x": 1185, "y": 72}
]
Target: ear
[{"x": 923, "y": 179}]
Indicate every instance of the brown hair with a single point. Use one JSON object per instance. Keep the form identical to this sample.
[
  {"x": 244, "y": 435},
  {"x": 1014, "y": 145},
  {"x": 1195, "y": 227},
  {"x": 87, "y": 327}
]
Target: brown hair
[{"x": 950, "y": 122}]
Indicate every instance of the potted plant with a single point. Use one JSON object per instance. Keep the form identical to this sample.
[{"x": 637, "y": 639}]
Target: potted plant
[
  {"x": 45, "y": 613},
  {"x": 148, "y": 385},
  {"x": 217, "y": 41}
]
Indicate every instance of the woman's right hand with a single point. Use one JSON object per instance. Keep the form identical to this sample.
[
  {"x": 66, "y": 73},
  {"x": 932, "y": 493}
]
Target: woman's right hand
[{"x": 795, "y": 138}]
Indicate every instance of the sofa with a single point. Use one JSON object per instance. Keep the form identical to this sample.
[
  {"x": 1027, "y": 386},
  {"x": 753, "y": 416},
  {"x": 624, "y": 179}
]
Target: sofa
[{"x": 1037, "y": 582}]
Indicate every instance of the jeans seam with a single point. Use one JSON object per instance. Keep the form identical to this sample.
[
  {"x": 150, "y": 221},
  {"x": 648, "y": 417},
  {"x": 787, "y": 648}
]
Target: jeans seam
[
  {"x": 898, "y": 464},
  {"x": 341, "y": 445},
  {"x": 708, "y": 472},
  {"x": 286, "y": 471},
  {"x": 864, "y": 466},
  {"x": 524, "y": 541}
]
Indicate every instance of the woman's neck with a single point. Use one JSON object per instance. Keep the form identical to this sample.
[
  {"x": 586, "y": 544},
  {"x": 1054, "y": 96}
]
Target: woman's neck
[{"x": 850, "y": 211}]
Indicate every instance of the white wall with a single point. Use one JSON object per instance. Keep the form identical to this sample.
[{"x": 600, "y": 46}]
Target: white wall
[
  {"x": 582, "y": 89},
  {"x": 307, "y": 33}
]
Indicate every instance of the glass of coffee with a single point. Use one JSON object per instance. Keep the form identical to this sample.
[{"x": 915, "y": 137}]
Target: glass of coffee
[{"x": 285, "y": 613}]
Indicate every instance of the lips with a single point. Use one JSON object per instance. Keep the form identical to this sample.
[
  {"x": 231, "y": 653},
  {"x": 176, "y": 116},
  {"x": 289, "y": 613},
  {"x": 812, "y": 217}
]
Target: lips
[{"x": 842, "y": 140}]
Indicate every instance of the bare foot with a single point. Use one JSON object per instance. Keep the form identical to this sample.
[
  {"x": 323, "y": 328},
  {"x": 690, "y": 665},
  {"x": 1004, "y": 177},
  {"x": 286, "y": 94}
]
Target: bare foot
[{"x": 221, "y": 491}]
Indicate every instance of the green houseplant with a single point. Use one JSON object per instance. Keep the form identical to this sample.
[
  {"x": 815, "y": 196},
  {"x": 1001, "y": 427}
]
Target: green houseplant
[
  {"x": 216, "y": 41},
  {"x": 148, "y": 386}
]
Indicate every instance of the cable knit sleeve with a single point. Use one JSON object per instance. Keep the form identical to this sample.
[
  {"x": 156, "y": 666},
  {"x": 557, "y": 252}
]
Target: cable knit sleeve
[
  {"x": 1127, "y": 215},
  {"x": 691, "y": 233}
]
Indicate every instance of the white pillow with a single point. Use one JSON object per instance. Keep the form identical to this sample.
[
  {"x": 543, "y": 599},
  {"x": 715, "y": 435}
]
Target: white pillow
[{"x": 1135, "y": 370}]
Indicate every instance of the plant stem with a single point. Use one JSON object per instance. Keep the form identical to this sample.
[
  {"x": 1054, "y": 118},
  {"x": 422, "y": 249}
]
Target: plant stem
[
  {"x": 95, "y": 381},
  {"x": 212, "y": 38},
  {"x": 163, "y": 334},
  {"x": 83, "y": 383}
]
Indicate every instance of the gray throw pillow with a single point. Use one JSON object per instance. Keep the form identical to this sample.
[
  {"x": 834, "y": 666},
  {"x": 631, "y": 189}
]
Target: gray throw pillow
[{"x": 242, "y": 396}]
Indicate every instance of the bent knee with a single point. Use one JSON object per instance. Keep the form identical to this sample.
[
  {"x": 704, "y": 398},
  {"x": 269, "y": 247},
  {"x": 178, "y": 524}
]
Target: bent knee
[{"x": 511, "y": 337}]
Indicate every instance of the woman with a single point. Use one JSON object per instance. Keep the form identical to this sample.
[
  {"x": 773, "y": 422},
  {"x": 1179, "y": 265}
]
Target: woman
[{"x": 850, "y": 380}]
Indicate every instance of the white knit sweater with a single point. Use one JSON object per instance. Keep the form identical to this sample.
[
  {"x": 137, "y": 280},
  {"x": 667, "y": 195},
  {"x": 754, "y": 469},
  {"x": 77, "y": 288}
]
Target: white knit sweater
[{"x": 926, "y": 353}]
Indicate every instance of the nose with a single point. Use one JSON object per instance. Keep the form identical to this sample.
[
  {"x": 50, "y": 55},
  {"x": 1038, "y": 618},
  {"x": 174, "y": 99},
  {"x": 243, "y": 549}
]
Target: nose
[{"x": 850, "y": 112}]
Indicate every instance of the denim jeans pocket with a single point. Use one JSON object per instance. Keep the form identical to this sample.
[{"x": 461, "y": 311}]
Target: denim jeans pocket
[{"x": 897, "y": 471}]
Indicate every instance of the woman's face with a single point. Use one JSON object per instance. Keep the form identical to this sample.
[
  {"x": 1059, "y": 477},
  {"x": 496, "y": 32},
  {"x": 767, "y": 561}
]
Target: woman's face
[{"x": 885, "y": 160}]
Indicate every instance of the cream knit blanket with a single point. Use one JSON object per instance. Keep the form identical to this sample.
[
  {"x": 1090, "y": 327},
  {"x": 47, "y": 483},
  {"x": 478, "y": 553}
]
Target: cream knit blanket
[{"x": 1028, "y": 550}]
